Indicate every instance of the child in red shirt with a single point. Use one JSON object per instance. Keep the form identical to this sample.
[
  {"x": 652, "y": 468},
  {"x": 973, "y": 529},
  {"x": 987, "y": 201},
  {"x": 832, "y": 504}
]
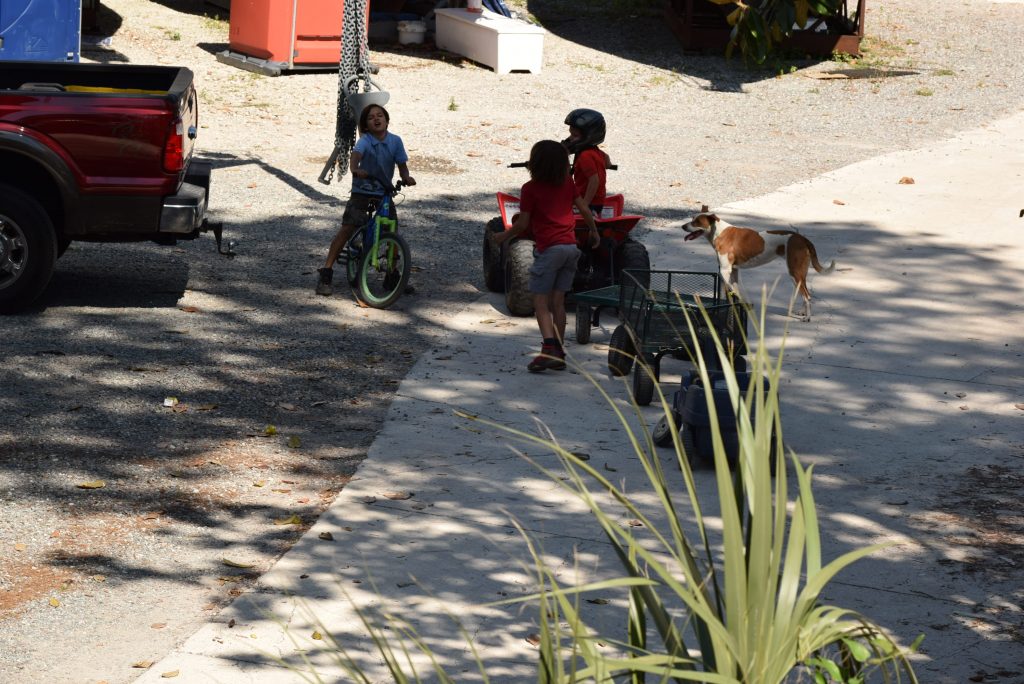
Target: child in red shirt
[
  {"x": 545, "y": 207},
  {"x": 586, "y": 132}
]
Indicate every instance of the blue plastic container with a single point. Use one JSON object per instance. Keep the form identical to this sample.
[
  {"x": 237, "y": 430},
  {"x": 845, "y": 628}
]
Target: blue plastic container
[
  {"x": 40, "y": 30},
  {"x": 690, "y": 415}
]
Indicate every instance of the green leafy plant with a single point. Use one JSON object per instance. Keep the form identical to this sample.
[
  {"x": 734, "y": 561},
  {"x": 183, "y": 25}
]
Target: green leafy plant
[
  {"x": 731, "y": 597},
  {"x": 760, "y": 26},
  {"x": 453, "y": 106}
]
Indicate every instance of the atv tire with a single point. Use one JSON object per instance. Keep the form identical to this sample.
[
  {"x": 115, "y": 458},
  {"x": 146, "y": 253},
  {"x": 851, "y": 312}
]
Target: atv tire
[
  {"x": 494, "y": 277},
  {"x": 633, "y": 256},
  {"x": 519, "y": 259}
]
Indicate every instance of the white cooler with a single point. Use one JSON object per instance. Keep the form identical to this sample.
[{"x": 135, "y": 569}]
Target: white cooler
[{"x": 491, "y": 39}]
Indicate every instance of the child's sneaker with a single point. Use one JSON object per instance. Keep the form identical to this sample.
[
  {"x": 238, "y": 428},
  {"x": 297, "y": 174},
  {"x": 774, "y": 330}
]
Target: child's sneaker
[
  {"x": 550, "y": 358},
  {"x": 323, "y": 285}
]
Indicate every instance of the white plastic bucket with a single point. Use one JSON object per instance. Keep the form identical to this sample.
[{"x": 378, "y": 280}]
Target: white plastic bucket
[{"x": 411, "y": 32}]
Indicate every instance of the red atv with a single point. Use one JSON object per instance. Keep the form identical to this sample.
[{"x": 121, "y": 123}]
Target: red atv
[{"x": 507, "y": 266}]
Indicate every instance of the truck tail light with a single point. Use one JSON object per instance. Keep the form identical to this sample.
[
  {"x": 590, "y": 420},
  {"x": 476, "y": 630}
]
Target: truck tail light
[{"x": 174, "y": 148}]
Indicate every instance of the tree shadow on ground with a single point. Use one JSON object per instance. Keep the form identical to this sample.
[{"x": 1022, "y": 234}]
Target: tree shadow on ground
[{"x": 247, "y": 345}]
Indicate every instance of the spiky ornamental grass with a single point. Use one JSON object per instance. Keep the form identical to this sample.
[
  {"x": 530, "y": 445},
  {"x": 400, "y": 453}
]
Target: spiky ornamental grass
[{"x": 738, "y": 606}]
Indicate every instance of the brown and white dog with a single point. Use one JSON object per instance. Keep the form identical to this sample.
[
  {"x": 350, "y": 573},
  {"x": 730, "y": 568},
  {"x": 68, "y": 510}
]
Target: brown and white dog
[{"x": 739, "y": 248}]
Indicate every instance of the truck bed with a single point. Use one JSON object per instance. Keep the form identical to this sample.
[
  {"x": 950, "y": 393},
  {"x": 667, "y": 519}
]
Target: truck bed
[{"x": 125, "y": 79}]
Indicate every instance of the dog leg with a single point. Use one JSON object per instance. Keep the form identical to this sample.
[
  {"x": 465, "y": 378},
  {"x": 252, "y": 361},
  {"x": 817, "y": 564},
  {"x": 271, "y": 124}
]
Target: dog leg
[
  {"x": 799, "y": 255},
  {"x": 731, "y": 279}
]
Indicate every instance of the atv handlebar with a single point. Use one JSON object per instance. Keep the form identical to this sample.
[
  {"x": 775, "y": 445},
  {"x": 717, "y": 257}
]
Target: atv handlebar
[{"x": 523, "y": 165}]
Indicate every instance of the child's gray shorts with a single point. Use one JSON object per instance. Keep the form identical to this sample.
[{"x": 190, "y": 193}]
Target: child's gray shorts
[{"x": 554, "y": 269}]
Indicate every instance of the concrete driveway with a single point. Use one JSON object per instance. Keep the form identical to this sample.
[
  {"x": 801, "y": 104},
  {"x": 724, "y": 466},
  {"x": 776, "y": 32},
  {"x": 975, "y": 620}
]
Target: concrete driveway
[{"x": 906, "y": 391}]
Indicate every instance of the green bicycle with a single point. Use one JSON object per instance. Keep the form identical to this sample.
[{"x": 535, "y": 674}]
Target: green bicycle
[{"x": 376, "y": 258}]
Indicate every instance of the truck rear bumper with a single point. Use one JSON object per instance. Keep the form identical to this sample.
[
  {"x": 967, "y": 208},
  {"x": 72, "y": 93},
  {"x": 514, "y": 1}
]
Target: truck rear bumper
[{"x": 183, "y": 213}]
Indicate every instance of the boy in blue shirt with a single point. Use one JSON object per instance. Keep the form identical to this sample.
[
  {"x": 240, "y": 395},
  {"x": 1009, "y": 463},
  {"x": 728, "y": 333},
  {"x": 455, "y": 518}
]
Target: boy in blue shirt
[{"x": 374, "y": 156}]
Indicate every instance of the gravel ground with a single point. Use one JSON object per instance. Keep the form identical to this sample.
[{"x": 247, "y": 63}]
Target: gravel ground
[{"x": 137, "y": 565}]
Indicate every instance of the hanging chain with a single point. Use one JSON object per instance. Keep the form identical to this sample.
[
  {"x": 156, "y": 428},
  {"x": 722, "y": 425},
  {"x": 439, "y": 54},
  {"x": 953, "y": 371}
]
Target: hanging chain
[{"x": 354, "y": 61}]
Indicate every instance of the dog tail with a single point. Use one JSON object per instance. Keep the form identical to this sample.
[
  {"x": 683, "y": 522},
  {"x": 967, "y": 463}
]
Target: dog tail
[{"x": 817, "y": 264}]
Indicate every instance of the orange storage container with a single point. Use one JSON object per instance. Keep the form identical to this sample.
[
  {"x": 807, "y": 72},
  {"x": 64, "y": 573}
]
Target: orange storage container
[{"x": 277, "y": 35}]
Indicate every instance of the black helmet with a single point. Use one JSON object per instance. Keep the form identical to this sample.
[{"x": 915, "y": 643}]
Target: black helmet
[{"x": 591, "y": 123}]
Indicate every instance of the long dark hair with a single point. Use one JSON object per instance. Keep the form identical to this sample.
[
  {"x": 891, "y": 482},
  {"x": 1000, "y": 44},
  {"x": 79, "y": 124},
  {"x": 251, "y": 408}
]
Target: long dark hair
[
  {"x": 549, "y": 162},
  {"x": 365, "y": 115}
]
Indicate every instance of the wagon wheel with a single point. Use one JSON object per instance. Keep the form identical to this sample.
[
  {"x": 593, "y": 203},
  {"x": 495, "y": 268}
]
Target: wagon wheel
[
  {"x": 662, "y": 434},
  {"x": 584, "y": 315},
  {"x": 686, "y": 438},
  {"x": 643, "y": 383},
  {"x": 621, "y": 352}
]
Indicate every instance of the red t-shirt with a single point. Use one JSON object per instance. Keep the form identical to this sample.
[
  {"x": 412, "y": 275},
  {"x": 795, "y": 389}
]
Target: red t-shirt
[
  {"x": 590, "y": 162},
  {"x": 550, "y": 207}
]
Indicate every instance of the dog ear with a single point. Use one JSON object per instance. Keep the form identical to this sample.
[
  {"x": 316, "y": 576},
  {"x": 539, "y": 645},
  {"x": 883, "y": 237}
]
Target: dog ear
[
  {"x": 714, "y": 219},
  {"x": 704, "y": 209}
]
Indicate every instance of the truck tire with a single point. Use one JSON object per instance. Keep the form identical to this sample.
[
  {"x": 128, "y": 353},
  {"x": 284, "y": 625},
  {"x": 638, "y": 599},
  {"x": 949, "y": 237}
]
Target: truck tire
[
  {"x": 632, "y": 255},
  {"x": 28, "y": 249},
  {"x": 494, "y": 276},
  {"x": 620, "y": 352},
  {"x": 517, "y": 278}
]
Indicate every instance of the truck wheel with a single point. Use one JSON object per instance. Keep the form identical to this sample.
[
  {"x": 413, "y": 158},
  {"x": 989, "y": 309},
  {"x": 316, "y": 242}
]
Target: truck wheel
[
  {"x": 584, "y": 315},
  {"x": 643, "y": 385},
  {"x": 620, "y": 352},
  {"x": 28, "y": 249},
  {"x": 494, "y": 277},
  {"x": 633, "y": 256},
  {"x": 517, "y": 278}
]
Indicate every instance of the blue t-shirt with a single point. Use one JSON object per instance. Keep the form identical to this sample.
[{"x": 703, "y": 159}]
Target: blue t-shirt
[{"x": 379, "y": 160}]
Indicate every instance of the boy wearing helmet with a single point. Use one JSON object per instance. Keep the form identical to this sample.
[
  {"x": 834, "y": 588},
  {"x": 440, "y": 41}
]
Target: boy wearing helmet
[{"x": 586, "y": 132}]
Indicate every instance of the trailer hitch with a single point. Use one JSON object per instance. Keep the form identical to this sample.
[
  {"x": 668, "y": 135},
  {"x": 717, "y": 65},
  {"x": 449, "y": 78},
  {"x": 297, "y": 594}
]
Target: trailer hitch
[{"x": 217, "y": 227}]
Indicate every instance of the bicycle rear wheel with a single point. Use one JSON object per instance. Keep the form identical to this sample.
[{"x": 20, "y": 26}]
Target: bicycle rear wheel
[
  {"x": 384, "y": 271},
  {"x": 351, "y": 258}
]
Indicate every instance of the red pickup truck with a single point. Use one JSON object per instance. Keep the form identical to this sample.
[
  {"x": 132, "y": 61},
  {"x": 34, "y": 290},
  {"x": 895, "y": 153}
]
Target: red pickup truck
[{"x": 97, "y": 152}]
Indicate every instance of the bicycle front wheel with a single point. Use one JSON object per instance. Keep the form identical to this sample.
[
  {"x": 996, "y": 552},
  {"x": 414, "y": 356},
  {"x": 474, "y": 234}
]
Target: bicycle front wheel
[{"x": 384, "y": 271}]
